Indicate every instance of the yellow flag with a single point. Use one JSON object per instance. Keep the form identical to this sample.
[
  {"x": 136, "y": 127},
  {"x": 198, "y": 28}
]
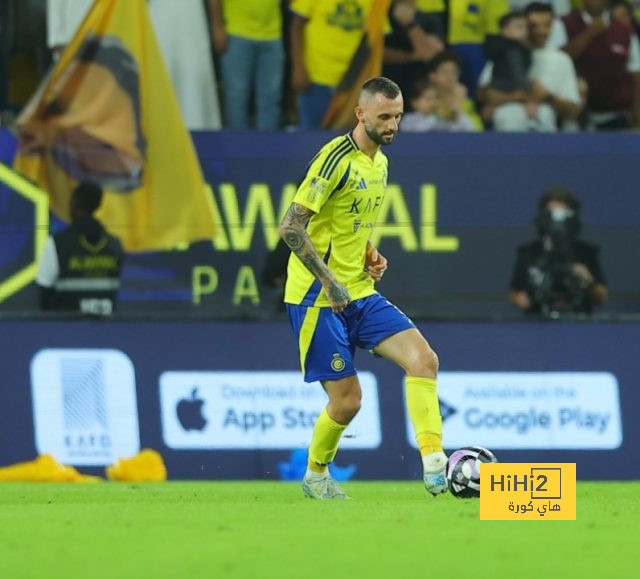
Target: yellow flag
[
  {"x": 365, "y": 64},
  {"x": 108, "y": 113}
]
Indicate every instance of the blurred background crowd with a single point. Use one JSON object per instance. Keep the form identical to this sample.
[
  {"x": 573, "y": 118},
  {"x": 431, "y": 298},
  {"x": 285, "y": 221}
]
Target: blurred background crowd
[{"x": 463, "y": 65}]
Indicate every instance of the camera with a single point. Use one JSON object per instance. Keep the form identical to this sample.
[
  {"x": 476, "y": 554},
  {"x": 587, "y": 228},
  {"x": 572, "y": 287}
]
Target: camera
[{"x": 554, "y": 287}]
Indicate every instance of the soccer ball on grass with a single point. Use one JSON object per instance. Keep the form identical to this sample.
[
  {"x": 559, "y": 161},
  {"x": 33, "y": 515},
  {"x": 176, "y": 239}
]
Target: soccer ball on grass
[{"x": 463, "y": 471}]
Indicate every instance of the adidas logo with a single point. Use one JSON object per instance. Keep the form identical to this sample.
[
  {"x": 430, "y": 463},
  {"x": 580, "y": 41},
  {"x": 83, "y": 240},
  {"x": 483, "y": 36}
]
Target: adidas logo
[{"x": 362, "y": 184}]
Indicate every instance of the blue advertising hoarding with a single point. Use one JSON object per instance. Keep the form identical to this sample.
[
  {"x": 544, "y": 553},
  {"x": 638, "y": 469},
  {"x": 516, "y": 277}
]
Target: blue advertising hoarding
[
  {"x": 225, "y": 400},
  {"x": 456, "y": 208}
]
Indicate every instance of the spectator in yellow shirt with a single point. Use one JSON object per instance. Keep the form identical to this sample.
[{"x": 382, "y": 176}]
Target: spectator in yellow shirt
[
  {"x": 248, "y": 34},
  {"x": 325, "y": 35},
  {"x": 470, "y": 22}
]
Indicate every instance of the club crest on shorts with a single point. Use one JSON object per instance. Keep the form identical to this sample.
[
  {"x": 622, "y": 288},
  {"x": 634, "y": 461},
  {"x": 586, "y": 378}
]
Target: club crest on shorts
[{"x": 337, "y": 364}]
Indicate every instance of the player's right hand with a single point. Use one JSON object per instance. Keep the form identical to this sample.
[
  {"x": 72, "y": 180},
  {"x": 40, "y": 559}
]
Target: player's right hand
[{"x": 337, "y": 295}]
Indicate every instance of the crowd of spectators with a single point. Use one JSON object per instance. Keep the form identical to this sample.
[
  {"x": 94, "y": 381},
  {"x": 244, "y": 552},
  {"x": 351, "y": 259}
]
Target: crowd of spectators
[{"x": 463, "y": 65}]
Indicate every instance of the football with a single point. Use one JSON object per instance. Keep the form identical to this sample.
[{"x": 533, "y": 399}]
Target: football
[{"x": 463, "y": 471}]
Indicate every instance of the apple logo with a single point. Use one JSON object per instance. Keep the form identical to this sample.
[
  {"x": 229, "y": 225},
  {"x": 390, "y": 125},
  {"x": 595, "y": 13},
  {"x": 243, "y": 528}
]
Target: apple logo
[{"x": 189, "y": 411}]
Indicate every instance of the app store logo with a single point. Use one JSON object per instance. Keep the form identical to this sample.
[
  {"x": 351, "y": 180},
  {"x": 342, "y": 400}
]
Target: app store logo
[
  {"x": 254, "y": 410},
  {"x": 189, "y": 412}
]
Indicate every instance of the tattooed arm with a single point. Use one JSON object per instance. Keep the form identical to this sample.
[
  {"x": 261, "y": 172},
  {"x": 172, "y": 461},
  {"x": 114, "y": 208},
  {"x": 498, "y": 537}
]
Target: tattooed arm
[{"x": 293, "y": 230}]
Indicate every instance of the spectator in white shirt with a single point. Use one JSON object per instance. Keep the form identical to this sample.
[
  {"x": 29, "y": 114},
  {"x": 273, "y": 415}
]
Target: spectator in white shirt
[{"x": 554, "y": 96}]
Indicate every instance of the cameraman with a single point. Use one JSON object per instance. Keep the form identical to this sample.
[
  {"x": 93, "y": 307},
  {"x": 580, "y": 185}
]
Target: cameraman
[{"x": 558, "y": 273}]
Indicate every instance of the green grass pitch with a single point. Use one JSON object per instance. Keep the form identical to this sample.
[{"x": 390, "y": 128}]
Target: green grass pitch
[{"x": 267, "y": 529}]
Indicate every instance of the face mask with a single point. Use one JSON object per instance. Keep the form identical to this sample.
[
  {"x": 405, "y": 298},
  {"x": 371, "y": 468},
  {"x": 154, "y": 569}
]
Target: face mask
[{"x": 560, "y": 214}]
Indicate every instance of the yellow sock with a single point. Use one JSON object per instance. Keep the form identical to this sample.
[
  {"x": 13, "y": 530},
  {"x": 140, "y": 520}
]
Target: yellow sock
[
  {"x": 424, "y": 412},
  {"x": 324, "y": 443}
]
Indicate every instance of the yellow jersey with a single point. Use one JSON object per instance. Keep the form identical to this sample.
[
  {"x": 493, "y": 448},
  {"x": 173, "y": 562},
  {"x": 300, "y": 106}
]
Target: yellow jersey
[
  {"x": 332, "y": 34},
  {"x": 344, "y": 188},
  {"x": 430, "y": 5},
  {"x": 471, "y": 20},
  {"x": 253, "y": 19}
]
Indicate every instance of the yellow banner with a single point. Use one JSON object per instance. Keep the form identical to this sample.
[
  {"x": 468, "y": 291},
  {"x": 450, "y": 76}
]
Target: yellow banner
[
  {"x": 108, "y": 113},
  {"x": 528, "y": 492},
  {"x": 365, "y": 64}
]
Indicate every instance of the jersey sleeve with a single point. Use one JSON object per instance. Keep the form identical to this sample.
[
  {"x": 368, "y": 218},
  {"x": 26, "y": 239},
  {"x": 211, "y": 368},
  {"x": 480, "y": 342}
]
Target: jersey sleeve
[
  {"x": 48, "y": 269},
  {"x": 568, "y": 89},
  {"x": 494, "y": 10},
  {"x": 486, "y": 74},
  {"x": 302, "y": 8},
  {"x": 633, "y": 60},
  {"x": 326, "y": 174}
]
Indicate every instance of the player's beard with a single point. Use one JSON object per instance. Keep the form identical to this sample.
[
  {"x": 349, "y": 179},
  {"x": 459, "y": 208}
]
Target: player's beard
[{"x": 379, "y": 138}]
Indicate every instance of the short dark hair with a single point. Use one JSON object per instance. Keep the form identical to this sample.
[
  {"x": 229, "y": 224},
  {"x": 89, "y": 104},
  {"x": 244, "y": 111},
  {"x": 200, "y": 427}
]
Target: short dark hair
[
  {"x": 508, "y": 17},
  {"x": 626, "y": 5},
  {"x": 560, "y": 193},
  {"x": 87, "y": 196},
  {"x": 445, "y": 56},
  {"x": 381, "y": 85},
  {"x": 538, "y": 7},
  {"x": 420, "y": 86}
]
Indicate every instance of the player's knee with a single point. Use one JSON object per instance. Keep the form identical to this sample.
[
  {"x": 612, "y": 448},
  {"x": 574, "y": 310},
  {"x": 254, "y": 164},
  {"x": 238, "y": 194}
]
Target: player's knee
[
  {"x": 424, "y": 363},
  {"x": 350, "y": 405}
]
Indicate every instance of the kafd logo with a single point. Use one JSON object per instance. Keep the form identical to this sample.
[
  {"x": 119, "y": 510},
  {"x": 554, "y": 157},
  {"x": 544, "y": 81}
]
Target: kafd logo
[{"x": 84, "y": 405}]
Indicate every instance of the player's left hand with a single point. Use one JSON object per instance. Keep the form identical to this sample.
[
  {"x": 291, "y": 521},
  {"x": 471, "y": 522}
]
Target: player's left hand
[{"x": 376, "y": 264}]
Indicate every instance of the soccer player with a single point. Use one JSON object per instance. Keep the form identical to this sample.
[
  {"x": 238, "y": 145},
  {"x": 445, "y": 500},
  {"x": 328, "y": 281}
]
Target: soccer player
[{"x": 330, "y": 295}]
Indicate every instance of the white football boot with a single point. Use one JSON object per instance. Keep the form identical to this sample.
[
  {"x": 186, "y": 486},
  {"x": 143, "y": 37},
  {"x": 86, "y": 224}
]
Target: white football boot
[
  {"x": 434, "y": 465},
  {"x": 322, "y": 487}
]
